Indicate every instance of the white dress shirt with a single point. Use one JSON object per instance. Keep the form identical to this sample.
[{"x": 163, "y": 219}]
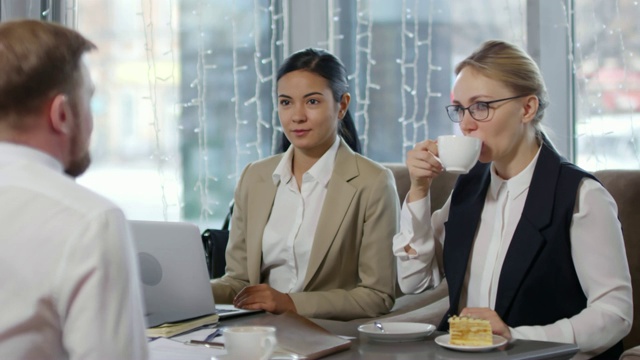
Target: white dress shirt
[
  {"x": 70, "y": 283},
  {"x": 597, "y": 249},
  {"x": 289, "y": 233}
]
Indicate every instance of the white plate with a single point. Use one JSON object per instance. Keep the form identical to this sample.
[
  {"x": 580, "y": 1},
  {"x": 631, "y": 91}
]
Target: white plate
[
  {"x": 397, "y": 331},
  {"x": 443, "y": 340}
]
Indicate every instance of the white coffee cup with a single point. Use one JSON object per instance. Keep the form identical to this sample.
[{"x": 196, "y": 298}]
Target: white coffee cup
[
  {"x": 249, "y": 342},
  {"x": 458, "y": 154}
]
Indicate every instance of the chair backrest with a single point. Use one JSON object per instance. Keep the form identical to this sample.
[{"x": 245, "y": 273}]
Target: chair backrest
[
  {"x": 624, "y": 186},
  {"x": 440, "y": 188}
]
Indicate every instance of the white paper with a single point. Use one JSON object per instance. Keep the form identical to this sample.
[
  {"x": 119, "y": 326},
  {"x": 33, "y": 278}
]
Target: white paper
[{"x": 171, "y": 349}]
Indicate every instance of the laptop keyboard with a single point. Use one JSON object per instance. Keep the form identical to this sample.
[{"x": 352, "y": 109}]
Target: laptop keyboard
[{"x": 224, "y": 311}]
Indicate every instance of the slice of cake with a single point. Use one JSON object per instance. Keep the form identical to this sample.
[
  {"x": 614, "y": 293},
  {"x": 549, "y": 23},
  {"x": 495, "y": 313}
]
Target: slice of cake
[{"x": 469, "y": 331}]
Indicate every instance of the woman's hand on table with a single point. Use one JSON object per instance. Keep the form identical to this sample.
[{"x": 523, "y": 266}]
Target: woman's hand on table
[{"x": 264, "y": 297}]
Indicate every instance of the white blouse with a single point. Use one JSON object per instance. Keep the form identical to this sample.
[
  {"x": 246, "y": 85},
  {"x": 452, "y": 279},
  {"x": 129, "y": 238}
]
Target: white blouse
[
  {"x": 597, "y": 248},
  {"x": 290, "y": 230}
]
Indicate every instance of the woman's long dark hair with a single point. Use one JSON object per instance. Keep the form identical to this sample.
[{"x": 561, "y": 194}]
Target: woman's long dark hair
[{"x": 323, "y": 63}]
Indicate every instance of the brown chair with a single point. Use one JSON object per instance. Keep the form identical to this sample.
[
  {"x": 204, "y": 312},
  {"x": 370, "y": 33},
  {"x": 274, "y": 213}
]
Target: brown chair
[
  {"x": 440, "y": 188},
  {"x": 624, "y": 186},
  {"x": 431, "y": 305},
  {"x": 631, "y": 354}
]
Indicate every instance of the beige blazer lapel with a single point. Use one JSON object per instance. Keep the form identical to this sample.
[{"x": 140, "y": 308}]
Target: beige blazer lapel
[
  {"x": 261, "y": 198},
  {"x": 336, "y": 203}
]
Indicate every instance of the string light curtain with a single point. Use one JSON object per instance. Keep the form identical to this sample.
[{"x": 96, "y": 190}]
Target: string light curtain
[{"x": 186, "y": 88}]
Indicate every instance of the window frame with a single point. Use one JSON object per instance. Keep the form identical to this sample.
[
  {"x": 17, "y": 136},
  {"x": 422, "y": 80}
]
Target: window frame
[{"x": 552, "y": 49}]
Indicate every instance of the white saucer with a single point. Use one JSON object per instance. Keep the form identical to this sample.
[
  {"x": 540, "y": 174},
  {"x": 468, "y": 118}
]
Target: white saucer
[
  {"x": 397, "y": 331},
  {"x": 443, "y": 340}
]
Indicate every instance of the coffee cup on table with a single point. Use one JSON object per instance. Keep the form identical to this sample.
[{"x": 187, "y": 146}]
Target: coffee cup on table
[
  {"x": 249, "y": 342},
  {"x": 458, "y": 154}
]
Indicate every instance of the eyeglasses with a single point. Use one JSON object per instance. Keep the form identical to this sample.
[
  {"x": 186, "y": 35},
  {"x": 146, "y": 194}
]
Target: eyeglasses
[{"x": 479, "y": 111}]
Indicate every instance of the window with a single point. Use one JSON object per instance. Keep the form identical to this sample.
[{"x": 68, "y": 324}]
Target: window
[
  {"x": 185, "y": 87},
  {"x": 607, "y": 84},
  {"x": 185, "y": 90},
  {"x": 405, "y": 54}
]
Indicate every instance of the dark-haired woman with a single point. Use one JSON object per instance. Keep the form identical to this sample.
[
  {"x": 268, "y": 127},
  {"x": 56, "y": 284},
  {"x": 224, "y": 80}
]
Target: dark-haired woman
[{"x": 312, "y": 227}]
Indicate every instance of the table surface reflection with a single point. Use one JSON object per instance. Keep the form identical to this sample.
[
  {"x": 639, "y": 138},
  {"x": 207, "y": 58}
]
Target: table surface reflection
[{"x": 364, "y": 348}]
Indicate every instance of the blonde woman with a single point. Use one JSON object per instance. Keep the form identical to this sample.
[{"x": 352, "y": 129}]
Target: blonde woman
[{"x": 532, "y": 243}]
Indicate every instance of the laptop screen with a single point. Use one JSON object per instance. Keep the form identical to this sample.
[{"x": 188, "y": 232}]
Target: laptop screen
[{"x": 175, "y": 281}]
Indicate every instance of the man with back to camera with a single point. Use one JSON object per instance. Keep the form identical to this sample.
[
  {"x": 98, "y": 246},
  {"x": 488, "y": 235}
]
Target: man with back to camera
[{"x": 69, "y": 282}]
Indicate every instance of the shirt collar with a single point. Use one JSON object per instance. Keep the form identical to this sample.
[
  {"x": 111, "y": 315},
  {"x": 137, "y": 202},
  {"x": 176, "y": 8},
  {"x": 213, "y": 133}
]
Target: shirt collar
[
  {"x": 283, "y": 170},
  {"x": 320, "y": 171},
  {"x": 13, "y": 153},
  {"x": 517, "y": 184}
]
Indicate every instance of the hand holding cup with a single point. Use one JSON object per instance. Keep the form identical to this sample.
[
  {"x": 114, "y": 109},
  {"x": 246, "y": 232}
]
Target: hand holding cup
[{"x": 423, "y": 165}]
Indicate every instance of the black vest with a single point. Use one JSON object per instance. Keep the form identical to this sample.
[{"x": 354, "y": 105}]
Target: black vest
[{"x": 538, "y": 283}]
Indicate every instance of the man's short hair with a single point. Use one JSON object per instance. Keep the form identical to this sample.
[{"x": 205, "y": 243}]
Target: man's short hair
[{"x": 37, "y": 61}]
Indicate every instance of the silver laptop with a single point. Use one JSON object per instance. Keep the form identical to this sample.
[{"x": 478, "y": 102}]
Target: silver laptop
[{"x": 175, "y": 281}]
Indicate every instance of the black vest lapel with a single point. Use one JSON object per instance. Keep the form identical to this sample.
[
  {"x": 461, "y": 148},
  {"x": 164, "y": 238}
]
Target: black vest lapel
[{"x": 527, "y": 239}]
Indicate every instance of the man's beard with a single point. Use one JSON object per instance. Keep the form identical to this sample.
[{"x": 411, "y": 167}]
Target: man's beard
[
  {"x": 79, "y": 165},
  {"x": 81, "y": 158}
]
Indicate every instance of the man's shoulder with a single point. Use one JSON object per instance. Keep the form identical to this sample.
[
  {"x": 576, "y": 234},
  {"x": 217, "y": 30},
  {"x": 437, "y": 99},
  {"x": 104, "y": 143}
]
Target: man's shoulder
[
  {"x": 56, "y": 188},
  {"x": 88, "y": 199}
]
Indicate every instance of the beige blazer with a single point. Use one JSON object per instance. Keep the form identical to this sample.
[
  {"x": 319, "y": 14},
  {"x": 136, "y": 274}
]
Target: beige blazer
[{"x": 351, "y": 271}]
